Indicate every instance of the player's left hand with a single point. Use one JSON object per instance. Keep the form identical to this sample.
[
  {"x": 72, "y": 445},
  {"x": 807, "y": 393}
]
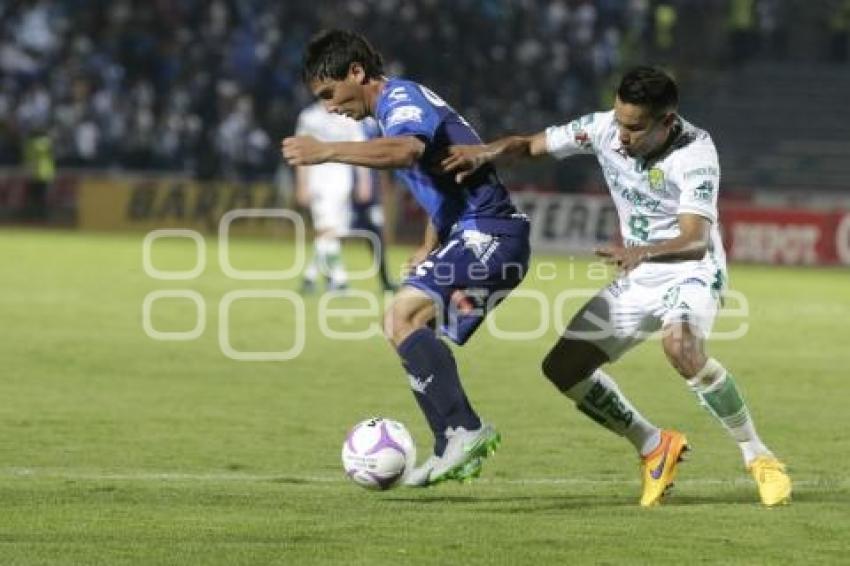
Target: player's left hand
[
  {"x": 624, "y": 258},
  {"x": 464, "y": 160},
  {"x": 304, "y": 150}
]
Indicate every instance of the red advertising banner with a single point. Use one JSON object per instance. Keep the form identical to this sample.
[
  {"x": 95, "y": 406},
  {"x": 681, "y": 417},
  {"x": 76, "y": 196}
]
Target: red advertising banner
[
  {"x": 786, "y": 236},
  {"x": 22, "y": 201}
]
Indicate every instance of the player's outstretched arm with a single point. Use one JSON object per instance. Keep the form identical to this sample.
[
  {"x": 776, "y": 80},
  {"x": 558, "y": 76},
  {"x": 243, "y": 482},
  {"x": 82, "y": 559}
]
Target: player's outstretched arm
[
  {"x": 463, "y": 160},
  {"x": 378, "y": 153}
]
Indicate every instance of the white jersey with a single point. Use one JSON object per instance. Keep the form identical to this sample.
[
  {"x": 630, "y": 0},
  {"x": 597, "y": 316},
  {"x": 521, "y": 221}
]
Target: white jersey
[
  {"x": 317, "y": 122},
  {"x": 685, "y": 179}
]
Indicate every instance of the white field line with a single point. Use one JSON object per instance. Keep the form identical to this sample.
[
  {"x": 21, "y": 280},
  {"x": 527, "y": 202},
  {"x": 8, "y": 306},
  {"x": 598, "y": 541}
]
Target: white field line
[{"x": 214, "y": 477}]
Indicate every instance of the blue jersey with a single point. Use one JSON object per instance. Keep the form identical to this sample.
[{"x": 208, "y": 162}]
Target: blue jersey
[
  {"x": 371, "y": 130},
  {"x": 481, "y": 201}
]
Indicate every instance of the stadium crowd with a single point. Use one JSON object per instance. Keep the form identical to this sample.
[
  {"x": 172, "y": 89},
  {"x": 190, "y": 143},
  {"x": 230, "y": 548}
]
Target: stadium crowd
[{"x": 207, "y": 87}]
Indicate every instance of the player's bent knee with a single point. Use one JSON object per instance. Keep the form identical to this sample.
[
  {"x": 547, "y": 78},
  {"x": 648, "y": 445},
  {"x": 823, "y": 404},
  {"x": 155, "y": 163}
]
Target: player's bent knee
[
  {"x": 397, "y": 325},
  {"x": 554, "y": 370},
  {"x": 571, "y": 361},
  {"x": 685, "y": 352}
]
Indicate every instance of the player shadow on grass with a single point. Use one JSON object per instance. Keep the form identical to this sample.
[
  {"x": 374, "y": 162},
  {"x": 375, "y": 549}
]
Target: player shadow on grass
[
  {"x": 747, "y": 496},
  {"x": 521, "y": 503},
  {"x": 543, "y": 503},
  {"x": 290, "y": 480}
]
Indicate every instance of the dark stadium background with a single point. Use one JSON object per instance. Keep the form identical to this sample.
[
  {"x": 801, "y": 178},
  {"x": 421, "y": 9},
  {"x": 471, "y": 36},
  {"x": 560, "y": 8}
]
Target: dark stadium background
[{"x": 173, "y": 91}]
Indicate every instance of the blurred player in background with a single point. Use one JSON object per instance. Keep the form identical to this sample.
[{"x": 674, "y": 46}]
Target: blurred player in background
[
  {"x": 368, "y": 210},
  {"x": 476, "y": 245},
  {"x": 663, "y": 174},
  {"x": 327, "y": 190}
]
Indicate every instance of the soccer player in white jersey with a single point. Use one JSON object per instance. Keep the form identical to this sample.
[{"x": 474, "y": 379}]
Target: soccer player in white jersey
[
  {"x": 663, "y": 174},
  {"x": 326, "y": 189}
]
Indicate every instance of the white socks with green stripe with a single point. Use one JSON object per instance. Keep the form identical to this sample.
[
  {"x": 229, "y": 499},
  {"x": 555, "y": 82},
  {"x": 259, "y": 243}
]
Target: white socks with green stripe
[
  {"x": 327, "y": 260},
  {"x": 718, "y": 393},
  {"x": 600, "y": 399}
]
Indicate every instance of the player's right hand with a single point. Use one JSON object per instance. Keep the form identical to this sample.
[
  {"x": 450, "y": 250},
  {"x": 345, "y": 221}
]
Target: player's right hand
[
  {"x": 626, "y": 259},
  {"x": 464, "y": 160},
  {"x": 304, "y": 150}
]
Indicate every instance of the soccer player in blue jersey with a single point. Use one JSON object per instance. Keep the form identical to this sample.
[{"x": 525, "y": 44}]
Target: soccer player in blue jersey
[{"x": 476, "y": 246}]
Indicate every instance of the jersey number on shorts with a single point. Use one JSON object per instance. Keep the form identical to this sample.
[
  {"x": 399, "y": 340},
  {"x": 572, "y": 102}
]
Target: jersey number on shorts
[{"x": 422, "y": 268}]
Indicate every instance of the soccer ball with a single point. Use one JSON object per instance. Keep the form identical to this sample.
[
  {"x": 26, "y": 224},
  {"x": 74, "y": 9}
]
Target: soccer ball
[{"x": 377, "y": 453}]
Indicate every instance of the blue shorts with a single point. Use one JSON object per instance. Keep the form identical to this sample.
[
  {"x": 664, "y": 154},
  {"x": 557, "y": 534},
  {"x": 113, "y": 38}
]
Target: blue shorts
[{"x": 469, "y": 275}]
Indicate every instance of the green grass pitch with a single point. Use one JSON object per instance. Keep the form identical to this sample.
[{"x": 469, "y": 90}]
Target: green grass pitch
[{"x": 119, "y": 449}]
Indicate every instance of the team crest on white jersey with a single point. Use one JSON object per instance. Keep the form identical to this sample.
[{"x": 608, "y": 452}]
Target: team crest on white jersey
[{"x": 656, "y": 180}]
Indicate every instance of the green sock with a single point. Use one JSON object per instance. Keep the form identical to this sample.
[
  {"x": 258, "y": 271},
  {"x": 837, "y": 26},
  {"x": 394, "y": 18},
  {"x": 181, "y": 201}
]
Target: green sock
[
  {"x": 716, "y": 390},
  {"x": 599, "y": 398},
  {"x": 331, "y": 261},
  {"x": 726, "y": 403},
  {"x": 330, "y": 258}
]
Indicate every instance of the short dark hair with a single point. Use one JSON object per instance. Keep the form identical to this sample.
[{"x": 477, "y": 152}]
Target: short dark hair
[
  {"x": 650, "y": 87},
  {"x": 330, "y": 53}
]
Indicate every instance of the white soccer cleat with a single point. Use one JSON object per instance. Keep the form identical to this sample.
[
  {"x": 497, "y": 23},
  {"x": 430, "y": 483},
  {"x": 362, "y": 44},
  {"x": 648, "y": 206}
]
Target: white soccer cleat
[
  {"x": 420, "y": 476},
  {"x": 465, "y": 453}
]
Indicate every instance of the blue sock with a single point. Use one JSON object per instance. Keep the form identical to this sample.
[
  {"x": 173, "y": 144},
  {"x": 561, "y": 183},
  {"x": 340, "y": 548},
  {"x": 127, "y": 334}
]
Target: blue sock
[
  {"x": 436, "y": 422},
  {"x": 430, "y": 362}
]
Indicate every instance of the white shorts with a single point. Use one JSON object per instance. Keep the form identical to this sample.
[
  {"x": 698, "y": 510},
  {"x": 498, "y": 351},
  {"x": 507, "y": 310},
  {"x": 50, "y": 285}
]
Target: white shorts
[
  {"x": 331, "y": 208},
  {"x": 634, "y": 306}
]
